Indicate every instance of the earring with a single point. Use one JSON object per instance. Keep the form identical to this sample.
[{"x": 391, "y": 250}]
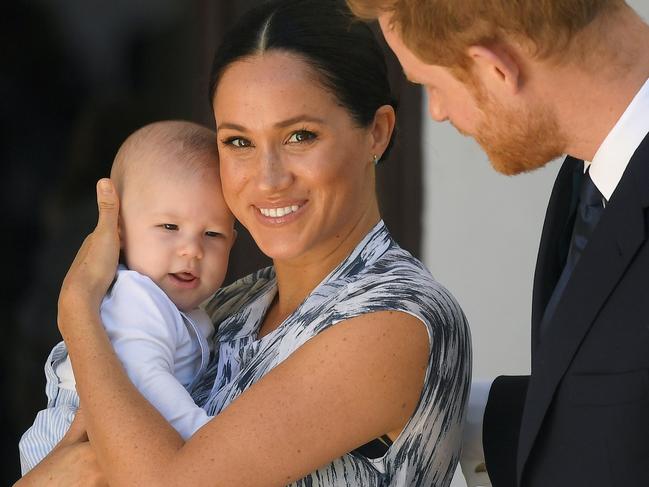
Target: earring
[{"x": 375, "y": 159}]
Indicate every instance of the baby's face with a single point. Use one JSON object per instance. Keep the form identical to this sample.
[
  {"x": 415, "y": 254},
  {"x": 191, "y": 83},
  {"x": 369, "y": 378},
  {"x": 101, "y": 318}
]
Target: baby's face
[{"x": 178, "y": 232}]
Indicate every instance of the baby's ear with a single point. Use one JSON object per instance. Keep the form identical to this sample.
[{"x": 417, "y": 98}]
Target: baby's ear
[
  {"x": 120, "y": 233},
  {"x": 120, "y": 225},
  {"x": 235, "y": 234}
]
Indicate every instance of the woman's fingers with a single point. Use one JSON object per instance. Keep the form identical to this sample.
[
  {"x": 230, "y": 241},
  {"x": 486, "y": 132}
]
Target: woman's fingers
[
  {"x": 95, "y": 264},
  {"x": 103, "y": 254},
  {"x": 108, "y": 208}
]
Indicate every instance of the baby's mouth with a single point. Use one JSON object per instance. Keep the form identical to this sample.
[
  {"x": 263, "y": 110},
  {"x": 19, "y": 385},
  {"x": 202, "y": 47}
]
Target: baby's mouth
[
  {"x": 184, "y": 276},
  {"x": 184, "y": 279}
]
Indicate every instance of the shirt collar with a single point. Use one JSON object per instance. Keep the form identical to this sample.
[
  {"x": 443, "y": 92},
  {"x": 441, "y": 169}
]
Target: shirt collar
[{"x": 618, "y": 147}]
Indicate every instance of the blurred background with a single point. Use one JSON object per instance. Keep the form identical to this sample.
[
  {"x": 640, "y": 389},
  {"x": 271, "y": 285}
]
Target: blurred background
[{"x": 78, "y": 76}]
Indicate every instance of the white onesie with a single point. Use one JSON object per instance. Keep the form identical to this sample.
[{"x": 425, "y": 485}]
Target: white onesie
[{"x": 163, "y": 350}]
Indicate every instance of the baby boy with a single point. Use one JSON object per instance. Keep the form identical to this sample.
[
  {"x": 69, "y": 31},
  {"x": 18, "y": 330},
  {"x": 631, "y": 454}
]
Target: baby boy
[{"x": 176, "y": 233}]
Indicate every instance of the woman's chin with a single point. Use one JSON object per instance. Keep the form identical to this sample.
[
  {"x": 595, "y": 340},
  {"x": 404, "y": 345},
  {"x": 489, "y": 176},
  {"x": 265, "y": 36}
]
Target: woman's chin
[
  {"x": 280, "y": 251},
  {"x": 280, "y": 245}
]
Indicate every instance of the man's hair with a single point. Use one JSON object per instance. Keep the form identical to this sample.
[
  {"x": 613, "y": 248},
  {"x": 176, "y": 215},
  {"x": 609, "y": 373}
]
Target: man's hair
[
  {"x": 440, "y": 31},
  {"x": 180, "y": 147}
]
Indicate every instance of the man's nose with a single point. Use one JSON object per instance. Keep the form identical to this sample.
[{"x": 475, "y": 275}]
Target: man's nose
[{"x": 436, "y": 107}]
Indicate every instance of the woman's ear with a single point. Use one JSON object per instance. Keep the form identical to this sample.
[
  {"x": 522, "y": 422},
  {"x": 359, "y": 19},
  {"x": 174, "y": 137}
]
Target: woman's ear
[
  {"x": 382, "y": 128},
  {"x": 496, "y": 68}
]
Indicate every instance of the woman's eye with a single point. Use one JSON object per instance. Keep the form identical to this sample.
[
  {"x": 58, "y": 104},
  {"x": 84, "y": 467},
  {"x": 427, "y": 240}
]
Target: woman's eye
[
  {"x": 238, "y": 142},
  {"x": 169, "y": 226},
  {"x": 301, "y": 136},
  {"x": 212, "y": 234}
]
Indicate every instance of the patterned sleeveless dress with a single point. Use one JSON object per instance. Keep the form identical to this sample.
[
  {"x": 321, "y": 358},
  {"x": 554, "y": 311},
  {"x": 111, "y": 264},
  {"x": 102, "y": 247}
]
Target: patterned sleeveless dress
[{"x": 377, "y": 276}]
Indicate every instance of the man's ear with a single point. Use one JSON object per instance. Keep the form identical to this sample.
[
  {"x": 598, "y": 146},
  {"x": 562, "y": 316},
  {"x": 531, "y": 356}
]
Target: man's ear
[{"x": 496, "y": 68}]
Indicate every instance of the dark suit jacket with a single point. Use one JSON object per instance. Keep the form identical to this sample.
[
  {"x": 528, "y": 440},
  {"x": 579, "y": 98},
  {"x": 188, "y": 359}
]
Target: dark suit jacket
[{"x": 582, "y": 417}]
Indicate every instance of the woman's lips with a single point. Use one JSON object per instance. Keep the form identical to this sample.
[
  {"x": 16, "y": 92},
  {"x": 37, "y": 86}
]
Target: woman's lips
[
  {"x": 185, "y": 280},
  {"x": 279, "y": 213}
]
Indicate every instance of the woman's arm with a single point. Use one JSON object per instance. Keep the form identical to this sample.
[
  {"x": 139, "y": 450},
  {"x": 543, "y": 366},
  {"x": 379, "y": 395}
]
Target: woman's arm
[
  {"x": 354, "y": 382},
  {"x": 71, "y": 463}
]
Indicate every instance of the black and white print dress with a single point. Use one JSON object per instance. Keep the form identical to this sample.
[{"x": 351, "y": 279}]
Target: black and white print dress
[{"x": 377, "y": 276}]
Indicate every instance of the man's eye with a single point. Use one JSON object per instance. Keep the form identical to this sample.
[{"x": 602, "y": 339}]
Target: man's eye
[
  {"x": 301, "y": 136},
  {"x": 238, "y": 142},
  {"x": 213, "y": 234},
  {"x": 169, "y": 226}
]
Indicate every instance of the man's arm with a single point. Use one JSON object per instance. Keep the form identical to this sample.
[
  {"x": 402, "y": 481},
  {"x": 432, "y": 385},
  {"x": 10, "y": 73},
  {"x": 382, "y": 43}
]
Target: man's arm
[
  {"x": 502, "y": 424},
  {"x": 490, "y": 441}
]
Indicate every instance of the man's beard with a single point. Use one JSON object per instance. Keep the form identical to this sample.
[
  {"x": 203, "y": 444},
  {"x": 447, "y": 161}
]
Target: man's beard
[{"x": 517, "y": 141}]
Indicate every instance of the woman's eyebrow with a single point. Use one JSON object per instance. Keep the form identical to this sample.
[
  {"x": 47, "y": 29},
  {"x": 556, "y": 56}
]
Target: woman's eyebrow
[
  {"x": 282, "y": 124},
  {"x": 297, "y": 119},
  {"x": 232, "y": 126}
]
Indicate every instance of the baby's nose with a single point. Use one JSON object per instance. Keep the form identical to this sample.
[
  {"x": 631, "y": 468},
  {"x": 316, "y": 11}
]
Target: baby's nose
[{"x": 192, "y": 248}]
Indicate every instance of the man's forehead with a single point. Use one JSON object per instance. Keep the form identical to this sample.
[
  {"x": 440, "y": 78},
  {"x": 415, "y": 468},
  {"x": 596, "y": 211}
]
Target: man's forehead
[
  {"x": 391, "y": 35},
  {"x": 409, "y": 62}
]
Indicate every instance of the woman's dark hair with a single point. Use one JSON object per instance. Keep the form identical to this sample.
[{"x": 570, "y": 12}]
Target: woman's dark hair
[{"x": 341, "y": 49}]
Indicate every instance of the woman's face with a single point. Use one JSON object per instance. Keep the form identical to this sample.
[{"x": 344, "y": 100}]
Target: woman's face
[{"x": 296, "y": 169}]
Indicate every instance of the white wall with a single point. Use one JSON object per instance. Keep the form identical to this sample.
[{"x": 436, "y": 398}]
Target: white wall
[{"x": 481, "y": 234}]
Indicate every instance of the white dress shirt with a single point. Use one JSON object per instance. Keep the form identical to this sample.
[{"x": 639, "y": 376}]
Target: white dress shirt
[{"x": 606, "y": 170}]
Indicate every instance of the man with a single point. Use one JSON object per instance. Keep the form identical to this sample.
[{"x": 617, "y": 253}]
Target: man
[{"x": 531, "y": 80}]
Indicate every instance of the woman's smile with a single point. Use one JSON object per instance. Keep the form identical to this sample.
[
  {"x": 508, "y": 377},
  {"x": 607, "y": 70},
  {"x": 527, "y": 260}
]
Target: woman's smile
[{"x": 277, "y": 214}]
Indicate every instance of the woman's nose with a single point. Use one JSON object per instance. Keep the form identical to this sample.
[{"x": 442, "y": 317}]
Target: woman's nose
[{"x": 272, "y": 174}]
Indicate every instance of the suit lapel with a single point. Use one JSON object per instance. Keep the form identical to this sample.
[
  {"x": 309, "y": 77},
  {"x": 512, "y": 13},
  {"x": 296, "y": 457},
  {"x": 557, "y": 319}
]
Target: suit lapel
[
  {"x": 550, "y": 262},
  {"x": 612, "y": 246}
]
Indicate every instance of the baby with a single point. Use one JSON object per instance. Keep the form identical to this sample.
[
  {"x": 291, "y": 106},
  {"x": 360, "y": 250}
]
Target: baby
[{"x": 176, "y": 233}]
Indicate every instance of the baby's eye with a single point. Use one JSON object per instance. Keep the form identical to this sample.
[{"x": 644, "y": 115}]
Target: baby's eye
[
  {"x": 209, "y": 233},
  {"x": 169, "y": 226},
  {"x": 237, "y": 142},
  {"x": 301, "y": 136}
]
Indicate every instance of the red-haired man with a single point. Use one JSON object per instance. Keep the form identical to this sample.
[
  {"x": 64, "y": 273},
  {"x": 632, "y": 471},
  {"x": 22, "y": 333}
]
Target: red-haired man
[{"x": 531, "y": 80}]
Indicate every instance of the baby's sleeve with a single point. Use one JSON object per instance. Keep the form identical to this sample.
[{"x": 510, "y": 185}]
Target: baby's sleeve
[
  {"x": 146, "y": 331},
  {"x": 52, "y": 423}
]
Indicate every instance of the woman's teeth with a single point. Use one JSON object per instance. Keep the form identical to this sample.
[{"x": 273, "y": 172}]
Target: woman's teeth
[{"x": 279, "y": 212}]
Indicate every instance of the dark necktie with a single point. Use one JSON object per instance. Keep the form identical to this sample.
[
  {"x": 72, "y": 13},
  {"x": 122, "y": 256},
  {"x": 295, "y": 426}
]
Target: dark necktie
[{"x": 589, "y": 211}]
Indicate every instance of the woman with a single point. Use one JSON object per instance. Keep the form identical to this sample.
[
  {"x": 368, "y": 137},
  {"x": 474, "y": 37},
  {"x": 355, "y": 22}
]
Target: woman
[{"x": 345, "y": 340}]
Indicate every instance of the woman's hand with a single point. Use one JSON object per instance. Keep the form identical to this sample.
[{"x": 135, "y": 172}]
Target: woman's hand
[
  {"x": 72, "y": 463},
  {"x": 93, "y": 269}
]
